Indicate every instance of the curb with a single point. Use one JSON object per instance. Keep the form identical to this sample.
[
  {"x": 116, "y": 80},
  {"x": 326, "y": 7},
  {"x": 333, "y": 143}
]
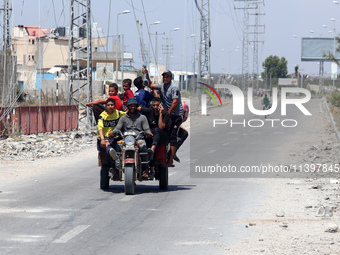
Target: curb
[{"x": 332, "y": 119}]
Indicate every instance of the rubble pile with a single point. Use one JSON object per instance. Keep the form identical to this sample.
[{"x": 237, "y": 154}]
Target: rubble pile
[
  {"x": 313, "y": 153},
  {"x": 32, "y": 147},
  {"x": 323, "y": 153}
]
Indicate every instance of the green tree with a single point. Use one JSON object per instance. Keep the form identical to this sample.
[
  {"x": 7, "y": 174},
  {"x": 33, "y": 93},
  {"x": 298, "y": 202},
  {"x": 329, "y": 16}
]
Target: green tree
[
  {"x": 275, "y": 67},
  {"x": 332, "y": 56}
]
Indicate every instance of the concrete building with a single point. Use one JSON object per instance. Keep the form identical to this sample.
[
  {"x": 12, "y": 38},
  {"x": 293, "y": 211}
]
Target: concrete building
[{"x": 42, "y": 51}]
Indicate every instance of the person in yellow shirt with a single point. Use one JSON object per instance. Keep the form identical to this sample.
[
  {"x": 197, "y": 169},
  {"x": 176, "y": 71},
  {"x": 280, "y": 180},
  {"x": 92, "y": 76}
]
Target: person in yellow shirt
[{"x": 107, "y": 122}]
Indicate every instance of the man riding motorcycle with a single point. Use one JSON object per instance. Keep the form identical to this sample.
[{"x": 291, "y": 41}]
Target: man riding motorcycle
[
  {"x": 266, "y": 102},
  {"x": 134, "y": 121}
]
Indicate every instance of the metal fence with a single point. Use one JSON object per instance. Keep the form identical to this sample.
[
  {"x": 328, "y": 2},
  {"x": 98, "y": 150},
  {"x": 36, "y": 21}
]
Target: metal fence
[{"x": 39, "y": 119}]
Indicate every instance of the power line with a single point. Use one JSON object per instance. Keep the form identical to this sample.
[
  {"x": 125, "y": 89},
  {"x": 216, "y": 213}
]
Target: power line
[{"x": 157, "y": 7}]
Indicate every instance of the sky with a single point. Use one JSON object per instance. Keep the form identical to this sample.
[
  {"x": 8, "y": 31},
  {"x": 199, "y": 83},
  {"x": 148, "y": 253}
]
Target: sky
[{"x": 285, "y": 21}]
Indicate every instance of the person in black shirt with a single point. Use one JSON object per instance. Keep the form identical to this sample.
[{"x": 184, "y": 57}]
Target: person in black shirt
[{"x": 159, "y": 122}]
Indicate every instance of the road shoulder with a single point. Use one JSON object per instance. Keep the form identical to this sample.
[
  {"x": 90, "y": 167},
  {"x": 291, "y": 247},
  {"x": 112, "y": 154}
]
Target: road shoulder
[{"x": 299, "y": 216}]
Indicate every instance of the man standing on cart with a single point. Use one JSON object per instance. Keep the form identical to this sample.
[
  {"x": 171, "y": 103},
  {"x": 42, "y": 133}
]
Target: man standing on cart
[{"x": 171, "y": 98}]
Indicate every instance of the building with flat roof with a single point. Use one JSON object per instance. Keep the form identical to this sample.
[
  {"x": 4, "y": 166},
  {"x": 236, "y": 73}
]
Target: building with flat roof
[{"x": 40, "y": 50}]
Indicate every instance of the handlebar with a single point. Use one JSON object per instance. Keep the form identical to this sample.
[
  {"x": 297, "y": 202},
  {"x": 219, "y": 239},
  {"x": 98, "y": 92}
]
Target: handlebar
[
  {"x": 117, "y": 132},
  {"x": 139, "y": 135}
]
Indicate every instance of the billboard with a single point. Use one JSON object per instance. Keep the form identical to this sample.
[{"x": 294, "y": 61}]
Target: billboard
[{"x": 314, "y": 49}]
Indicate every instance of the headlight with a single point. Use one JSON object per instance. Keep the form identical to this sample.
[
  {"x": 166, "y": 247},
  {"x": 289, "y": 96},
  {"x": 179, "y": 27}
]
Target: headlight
[
  {"x": 129, "y": 140},
  {"x": 133, "y": 133}
]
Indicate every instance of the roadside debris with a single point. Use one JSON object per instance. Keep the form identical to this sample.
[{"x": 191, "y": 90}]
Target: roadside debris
[{"x": 32, "y": 147}]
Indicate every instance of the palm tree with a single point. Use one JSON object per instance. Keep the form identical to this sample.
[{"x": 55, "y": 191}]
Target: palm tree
[{"x": 331, "y": 55}]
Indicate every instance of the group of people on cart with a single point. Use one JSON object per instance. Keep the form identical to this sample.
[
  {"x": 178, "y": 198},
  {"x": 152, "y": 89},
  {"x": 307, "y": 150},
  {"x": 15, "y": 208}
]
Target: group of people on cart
[{"x": 158, "y": 114}]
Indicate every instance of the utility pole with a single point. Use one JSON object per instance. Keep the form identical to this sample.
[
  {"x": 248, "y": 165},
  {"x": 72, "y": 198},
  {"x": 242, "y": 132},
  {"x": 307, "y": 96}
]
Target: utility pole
[
  {"x": 247, "y": 5},
  {"x": 80, "y": 57},
  {"x": 6, "y": 27},
  {"x": 156, "y": 56},
  {"x": 256, "y": 42},
  {"x": 6, "y": 52},
  {"x": 167, "y": 50},
  {"x": 169, "y": 47},
  {"x": 205, "y": 44},
  {"x": 321, "y": 73}
]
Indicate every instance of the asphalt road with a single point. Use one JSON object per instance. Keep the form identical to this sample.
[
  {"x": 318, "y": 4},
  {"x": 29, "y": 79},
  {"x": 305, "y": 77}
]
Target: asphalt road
[
  {"x": 249, "y": 140},
  {"x": 63, "y": 211}
]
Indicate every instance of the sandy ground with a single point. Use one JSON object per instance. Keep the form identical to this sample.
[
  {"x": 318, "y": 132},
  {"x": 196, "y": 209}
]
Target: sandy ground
[
  {"x": 298, "y": 216},
  {"x": 288, "y": 221},
  {"x": 15, "y": 171}
]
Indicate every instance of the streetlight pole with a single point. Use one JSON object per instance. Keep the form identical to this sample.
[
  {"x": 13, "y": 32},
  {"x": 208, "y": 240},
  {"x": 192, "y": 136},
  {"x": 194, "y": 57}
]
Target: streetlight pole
[
  {"x": 168, "y": 52},
  {"x": 118, "y": 40},
  {"x": 155, "y": 23},
  {"x": 186, "y": 62},
  {"x": 156, "y": 57},
  {"x": 334, "y": 66}
]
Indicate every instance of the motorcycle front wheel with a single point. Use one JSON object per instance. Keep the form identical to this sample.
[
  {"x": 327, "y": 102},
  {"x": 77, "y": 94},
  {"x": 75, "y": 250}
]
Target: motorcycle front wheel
[
  {"x": 163, "y": 177},
  {"x": 129, "y": 175}
]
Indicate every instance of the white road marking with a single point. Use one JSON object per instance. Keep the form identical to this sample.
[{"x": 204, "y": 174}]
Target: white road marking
[
  {"x": 72, "y": 233},
  {"x": 33, "y": 210},
  {"x": 212, "y": 151},
  {"x": 225, "y": 144},
  {"x": 194, "y": 126},
  {"x": 126, "y": 198},
  {"x": 7, "y": 200},
  {"x": 39, "y": 216},
  {"x": 26, "y": 238},
  {"x": 171, "y": 174}
]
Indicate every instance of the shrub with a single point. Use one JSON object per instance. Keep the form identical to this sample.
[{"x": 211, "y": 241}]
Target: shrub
[{"x": 334, "y": 98}]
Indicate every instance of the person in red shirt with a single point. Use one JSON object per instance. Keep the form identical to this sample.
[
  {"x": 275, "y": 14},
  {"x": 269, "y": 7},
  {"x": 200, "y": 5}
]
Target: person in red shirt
[
  {"x": 97, "y": 104},
  {"x": 127, "y": 91},
  {"x": 113, "y": 93}
]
